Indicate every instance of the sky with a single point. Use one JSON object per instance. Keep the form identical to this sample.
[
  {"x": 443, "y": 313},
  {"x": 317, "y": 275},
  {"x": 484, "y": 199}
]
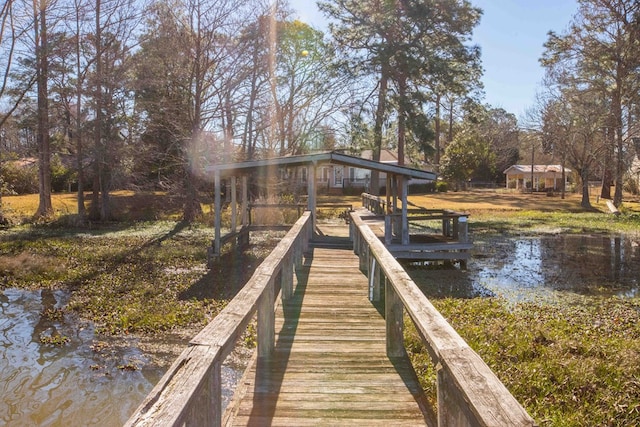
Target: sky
[{"x": 511, "y": 35}]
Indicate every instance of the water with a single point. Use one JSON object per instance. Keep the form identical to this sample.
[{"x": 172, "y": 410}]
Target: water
[
  {"x": 546, "y": 267},
  {"x": 87, "y": 381}
]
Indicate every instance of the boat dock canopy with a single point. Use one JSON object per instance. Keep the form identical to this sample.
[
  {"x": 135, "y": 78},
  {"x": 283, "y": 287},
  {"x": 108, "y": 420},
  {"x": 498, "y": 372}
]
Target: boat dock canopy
[{"x": 230, "y": 169}]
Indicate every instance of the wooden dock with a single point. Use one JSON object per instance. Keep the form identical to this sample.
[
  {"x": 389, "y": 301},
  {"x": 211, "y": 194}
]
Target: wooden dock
[
  {"x": 330, "y": 365},
  {"x": 326, "y": 355}
]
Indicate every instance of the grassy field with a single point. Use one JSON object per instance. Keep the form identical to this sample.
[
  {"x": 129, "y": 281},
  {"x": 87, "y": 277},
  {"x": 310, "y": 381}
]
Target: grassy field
[{"x": 575, "y": 364}]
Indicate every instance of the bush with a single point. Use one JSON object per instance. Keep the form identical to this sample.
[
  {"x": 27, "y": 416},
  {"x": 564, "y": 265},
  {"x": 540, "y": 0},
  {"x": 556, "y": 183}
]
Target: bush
[
  {"x": 442, "y": 187},
  {"x": 19, "y": 177},
  {"x": 631, "y": 185},
  {"x": 429, "y": 187},
  {"x": 61, "y": 176}
]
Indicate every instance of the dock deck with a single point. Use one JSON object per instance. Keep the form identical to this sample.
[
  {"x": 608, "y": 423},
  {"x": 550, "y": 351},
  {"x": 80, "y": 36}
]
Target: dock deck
[{"x": 330, "y": 365}]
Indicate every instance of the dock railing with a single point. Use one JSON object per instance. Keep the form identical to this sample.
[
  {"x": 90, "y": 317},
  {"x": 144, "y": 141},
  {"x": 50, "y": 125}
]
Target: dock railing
[
  {"x": 190, "y": 392},
  {"x": 454, "y": 224},
  {"x": 469, "y": 393}
]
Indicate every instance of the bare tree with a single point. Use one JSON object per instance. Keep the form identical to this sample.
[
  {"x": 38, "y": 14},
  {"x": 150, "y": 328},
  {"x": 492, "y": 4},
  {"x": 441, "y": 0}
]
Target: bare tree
[
  {"x": 600, "y": 51},
  {"x": 42, "y": 49},
  {"x": 115, "y": 25}
]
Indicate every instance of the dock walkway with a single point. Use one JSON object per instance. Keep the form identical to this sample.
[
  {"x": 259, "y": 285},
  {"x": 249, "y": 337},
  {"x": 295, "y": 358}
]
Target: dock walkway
[{"x": 330, "y": 365}]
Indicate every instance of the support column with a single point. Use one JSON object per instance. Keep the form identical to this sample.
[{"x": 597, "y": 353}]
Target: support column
[
  {"x": 217, "y": 205},
  {"x": 388, "y": 222},
  {"x": 245, "y": 200},
  {"x": 393, "y": 309},
  {"x": 312, "y": 194},
  {"x": 234, "y": 205},
  {"x": 266, "y": 321},
  {"x": 405, "y": 210}
]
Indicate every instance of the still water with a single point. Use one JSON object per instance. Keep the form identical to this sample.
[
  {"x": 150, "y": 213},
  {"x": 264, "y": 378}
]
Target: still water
[
  {"x": 541, "y": 268},
  {"x": 86, "y": 381}
]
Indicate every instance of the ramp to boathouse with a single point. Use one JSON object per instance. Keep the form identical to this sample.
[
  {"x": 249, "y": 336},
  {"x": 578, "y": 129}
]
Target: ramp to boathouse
[
  {"x": 330, "y": 365},
  {"x": 329, "y": 322}
]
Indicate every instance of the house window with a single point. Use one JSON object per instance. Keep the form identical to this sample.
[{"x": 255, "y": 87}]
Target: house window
[
  {"x": 352, "y": 175},
  {"x": 303, "y": 172},
  {"x": 325, "y": 174}
]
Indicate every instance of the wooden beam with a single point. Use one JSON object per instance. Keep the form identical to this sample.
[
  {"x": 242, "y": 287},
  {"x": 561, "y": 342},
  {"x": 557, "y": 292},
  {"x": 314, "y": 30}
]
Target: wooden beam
[
  {"x": 405, "y": 202},
  {"x": 312, "y": 194},
  {"x": 217, "y": 205},
  {"x": 394, "y": 318},
  {"x": 245, "y": 200},
  {"x": 266, "y": 321},
  {"x": 234, "y": 204}
]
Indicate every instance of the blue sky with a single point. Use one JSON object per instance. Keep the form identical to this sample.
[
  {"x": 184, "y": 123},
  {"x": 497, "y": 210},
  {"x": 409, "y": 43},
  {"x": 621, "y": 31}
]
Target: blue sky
[{"x": 511, "y": 34}]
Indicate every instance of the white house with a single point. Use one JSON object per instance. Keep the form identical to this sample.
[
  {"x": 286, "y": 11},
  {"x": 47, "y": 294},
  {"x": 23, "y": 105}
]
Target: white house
[
  {"x": 339, "y": 176},
  {"x": 544, "y": 177}
]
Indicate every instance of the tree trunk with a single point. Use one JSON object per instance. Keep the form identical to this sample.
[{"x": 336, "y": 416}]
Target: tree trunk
[
  {"x": 620, "y": 166},
  {"x": 605, "y": 191},
  {"x": 192, "y": 208},
  {"x": 402, "y": 91},
  {"x": 437, "y": 130},
  {"x": 377, "y": 131},
  {"x": 45, "y": 207},
  {"x": 82, "y": 214},
  {"x": 584, "y": 175}
]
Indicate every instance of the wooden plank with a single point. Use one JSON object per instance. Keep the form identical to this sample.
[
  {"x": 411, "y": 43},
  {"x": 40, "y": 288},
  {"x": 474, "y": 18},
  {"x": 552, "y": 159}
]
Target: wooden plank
[
  {"x": 329, "y": 364},
  {"x": 430, "y": 247},
  {"x": 612, "y": 207}
]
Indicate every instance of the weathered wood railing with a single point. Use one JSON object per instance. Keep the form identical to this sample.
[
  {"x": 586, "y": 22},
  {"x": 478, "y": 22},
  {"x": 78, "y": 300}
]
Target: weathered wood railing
[
  {"x": 190, "y": 391},
  {"x": 469, "y": 393},
  {"x": 375, "y": 204},
  {"x": 454, "y": 224}
]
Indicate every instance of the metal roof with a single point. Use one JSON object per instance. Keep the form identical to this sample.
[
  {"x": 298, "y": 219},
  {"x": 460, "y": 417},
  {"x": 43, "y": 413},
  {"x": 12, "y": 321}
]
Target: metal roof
[{"x": 230, "y": 169}]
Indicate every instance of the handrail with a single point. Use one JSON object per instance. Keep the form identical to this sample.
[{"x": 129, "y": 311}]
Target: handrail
[
  {"x": 469, "y": 393},
  {"x": 190, "y": 392}
]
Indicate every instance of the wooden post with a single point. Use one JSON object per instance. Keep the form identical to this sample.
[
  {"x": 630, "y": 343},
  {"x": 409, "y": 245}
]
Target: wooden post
[
  {"x": 298, "y": 253},
  {"x": 446, "y": 226},
  {"x": 206, "y": 409},
  {"x": 286, "y": 283},
  {"x": 362, "y": 257},
  {"x": 216, "y": 393},
  {"x": 405, "y": 212},
  {"x": 388, "y": 234},
  {"x": 397, "y": 222},
  {"x": 245, "y": 200},
  {"x": 393, "y": 315},
  {"x": 234, "y": 205},
  {"x": 266, "y": 321},
  {"x": 217, "y": 205},
  {"x": 388, "y": 195},
  {"x": 463, "y": 229},
  {"x": 311, "y": 199},
  {"x": 375, "y": 273}
]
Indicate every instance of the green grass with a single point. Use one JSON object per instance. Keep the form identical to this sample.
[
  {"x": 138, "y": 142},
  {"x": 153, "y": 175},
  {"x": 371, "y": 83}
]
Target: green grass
[{"x": 574, "y": 364}]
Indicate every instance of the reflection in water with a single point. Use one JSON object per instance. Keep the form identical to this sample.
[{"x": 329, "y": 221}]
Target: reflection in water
[
  {"x": 75, "y": 384},
  {"x": 533, "y": 268}
]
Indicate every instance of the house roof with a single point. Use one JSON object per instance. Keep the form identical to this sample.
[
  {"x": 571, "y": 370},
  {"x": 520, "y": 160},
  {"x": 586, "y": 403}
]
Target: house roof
[
  {"x": 386, "y": 156},
  {"x": 536, "y": 169},
  {"x": 229, "y": 169}
]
